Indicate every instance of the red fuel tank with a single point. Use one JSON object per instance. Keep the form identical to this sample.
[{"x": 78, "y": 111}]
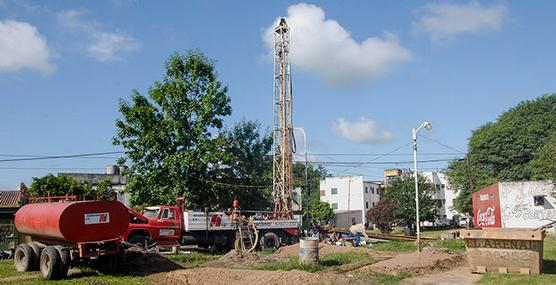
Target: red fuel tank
[{"x": 73, "y": 221}]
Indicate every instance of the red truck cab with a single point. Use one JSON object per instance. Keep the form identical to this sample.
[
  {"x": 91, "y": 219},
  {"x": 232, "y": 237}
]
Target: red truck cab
[{"x": 162, "y": 224}]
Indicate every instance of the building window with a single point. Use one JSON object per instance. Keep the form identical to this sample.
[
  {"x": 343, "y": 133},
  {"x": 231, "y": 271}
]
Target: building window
[
  {"x": 333, "y": 191},
  {"x": 373, "y": 204},
  {"x": 366, "y": 205},
  {"x": 438, "y": 187},
  {"x": 443, "y": 186},
  {"x": 334, "y": 206},
  {"x": 322, "y": 193},
  {"x": 372, "y": 190},
  {"x": 366, "y": 190},
  {"x": 538, "y": 200}
]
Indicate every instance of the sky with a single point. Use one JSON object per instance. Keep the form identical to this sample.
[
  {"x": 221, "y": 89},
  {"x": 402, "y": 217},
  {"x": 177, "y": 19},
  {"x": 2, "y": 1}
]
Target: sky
[{"x": 364, "y": 73}]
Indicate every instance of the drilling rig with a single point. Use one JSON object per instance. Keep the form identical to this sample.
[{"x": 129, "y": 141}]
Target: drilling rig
[{"x": 283, "y": 140}]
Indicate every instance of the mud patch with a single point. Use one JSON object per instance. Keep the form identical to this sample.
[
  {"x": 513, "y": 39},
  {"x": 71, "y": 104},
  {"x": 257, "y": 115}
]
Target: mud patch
[
  {"x": 417, "y": 263},
  {"x": 248, "y": 258},
  {"x": 141, "y": 262},
  {"x": 226, "y": 276}
]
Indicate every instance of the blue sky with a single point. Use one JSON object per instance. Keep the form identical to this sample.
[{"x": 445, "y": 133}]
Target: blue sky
[{"x": 364, "y": 72}]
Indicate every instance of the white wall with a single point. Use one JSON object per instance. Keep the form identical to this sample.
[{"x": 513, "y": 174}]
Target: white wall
[
  {"x": 517, "y": 205},
  {"x": 444, "y": 193},
  {"x": 350, "y": 195}
]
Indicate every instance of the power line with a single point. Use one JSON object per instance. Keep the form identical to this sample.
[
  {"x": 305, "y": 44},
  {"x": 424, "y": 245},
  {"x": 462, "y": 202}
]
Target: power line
[
  {"x": 442, "y": 144},
  {"x": 49, "y": 168},
  {"x": 60, "y": 156},
  {"x": 382, "y": 162},
  {"x": 391, "y": 154}
]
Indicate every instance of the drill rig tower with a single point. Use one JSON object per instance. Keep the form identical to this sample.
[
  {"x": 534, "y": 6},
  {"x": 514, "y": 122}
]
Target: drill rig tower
[{"x": 283, "y": 131}]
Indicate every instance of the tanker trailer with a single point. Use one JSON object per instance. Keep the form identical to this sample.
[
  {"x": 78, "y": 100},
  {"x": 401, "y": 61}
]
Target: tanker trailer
[{"x": 63, "y": 232}]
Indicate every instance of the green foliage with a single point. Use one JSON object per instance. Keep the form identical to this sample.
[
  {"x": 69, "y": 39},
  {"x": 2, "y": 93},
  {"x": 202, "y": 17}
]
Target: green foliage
[
  {"x": 401, "y": 191},
  {"x": 246, "y": 161},
  {"x": 51, "y": 185},
  {"x": 510, "y": 149},
  {"x": 383, "y": 215},
  {"x": 193, "y": 259},
  {"x": 543, "y": 165},
  {"x": 169, "y": 137},
  {"x": 321, "y": 211}
]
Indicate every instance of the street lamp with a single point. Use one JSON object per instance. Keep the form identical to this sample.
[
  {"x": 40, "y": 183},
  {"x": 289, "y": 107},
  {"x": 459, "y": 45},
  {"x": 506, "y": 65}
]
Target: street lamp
[{"x": 427, "y": 126}]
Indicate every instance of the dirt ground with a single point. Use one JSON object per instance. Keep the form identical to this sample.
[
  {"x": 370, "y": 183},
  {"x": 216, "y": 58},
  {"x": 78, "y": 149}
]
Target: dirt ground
[
  {"x": 417, "y": 263},
  {"x": 226, "y": 276},
  {"x": 458, "y": 276},
  {"x": 236, "y": 268},
  {"x": 140, "y": 262}
]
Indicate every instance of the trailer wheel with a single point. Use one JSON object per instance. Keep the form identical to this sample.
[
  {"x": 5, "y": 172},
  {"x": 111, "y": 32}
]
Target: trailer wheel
[
  {"x": 50, "y": 263},
  {"x": 64, "y": 260},
  {"x": 24, "y": 258},
  {"x": 36, "y": 255},
  {"x": 270, "y": 241}
]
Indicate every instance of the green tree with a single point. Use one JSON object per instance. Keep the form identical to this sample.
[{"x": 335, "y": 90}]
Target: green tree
[
  {"x": 169, "y": 135},
  {"x": 52, "y": 185},
  {"x": 383, "y": 215},
  {"x": 401, "y": 191},
  {"x": 321, "y": 211},
  {"x": 245, "y": 172},
  {"x": 508, "y": 149}
]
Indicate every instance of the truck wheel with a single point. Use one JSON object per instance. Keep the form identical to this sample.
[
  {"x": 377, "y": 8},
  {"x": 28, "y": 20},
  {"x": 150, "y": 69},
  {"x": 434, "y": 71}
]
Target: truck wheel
[
  {"x": 50, "y": 263},
  {"x": 36, "y": 255},
  {"x": 24, "y": 258},
  {"x": 138, "y": 239},
  {"x": 270, "y": 241},
  {"x": 64, "y": 260}
]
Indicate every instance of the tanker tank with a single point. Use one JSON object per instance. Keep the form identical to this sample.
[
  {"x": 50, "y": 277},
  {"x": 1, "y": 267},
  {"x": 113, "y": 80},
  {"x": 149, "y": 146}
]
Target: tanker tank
[{"x": 73, "y": 221}]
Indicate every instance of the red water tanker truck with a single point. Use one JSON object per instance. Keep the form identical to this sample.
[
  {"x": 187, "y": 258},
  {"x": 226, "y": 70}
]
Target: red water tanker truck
[{"x": 64, "y": 232}]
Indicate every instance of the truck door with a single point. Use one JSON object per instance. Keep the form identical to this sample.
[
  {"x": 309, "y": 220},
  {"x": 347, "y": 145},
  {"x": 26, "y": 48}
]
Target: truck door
[{"x": 170, "y": 225}]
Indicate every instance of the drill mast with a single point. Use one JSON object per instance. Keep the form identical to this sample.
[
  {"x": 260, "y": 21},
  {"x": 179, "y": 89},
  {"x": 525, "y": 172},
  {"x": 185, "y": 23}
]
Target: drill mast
[{"x": 283, "y": 131}]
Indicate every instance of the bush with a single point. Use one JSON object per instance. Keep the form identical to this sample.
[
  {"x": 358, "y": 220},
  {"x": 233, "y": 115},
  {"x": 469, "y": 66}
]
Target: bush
[{"x": 383, "y": 214}]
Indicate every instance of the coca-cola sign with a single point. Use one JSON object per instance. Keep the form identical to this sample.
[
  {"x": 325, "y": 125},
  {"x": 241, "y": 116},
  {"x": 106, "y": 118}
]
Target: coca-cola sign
[
  {"x": 486, "y": 218},
  {"x": 486, "y": 207}
]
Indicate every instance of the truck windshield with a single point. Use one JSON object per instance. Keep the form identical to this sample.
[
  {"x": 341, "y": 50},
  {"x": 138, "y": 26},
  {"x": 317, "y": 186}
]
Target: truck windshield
[{"x": 151, "y": 213}]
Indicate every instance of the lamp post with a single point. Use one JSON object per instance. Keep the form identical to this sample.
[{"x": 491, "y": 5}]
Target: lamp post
[
  {"x": 427, "y": 126},
  {"x": 306, "y": 177}
]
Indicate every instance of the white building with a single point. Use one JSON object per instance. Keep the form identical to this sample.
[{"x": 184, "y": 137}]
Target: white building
[
  {"x": 444, "y": 196},
  {"x": 350, "y": 197}
]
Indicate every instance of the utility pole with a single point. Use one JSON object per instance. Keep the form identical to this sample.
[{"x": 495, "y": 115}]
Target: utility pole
[{"x": 282, "y": 162}]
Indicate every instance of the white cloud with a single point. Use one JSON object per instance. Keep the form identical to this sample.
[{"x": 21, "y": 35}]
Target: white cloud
[
  {"x": 22, "y": 47},
  {"x": 363, "y": 131},
  {"x": 444, "y": 22},
  {"x": 324, "y": 47},
  {"x": 104, "y": 46}
]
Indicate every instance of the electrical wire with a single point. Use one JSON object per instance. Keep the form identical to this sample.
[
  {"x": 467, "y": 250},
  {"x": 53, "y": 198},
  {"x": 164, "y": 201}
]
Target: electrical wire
[{"x": 60, "y": 156}]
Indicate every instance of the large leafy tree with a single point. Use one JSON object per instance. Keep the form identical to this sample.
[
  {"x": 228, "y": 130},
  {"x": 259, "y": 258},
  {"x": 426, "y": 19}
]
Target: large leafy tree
[
  {"x": 245, "y": 172},
  {"x": 401, "y": 191},
  {"x": 169, "y": 134},
  {"x": 509, "y": 149}
]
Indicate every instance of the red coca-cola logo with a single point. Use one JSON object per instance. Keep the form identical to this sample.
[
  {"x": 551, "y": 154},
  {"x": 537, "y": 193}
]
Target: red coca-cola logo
[
  {"x": 215, "y": 220},
  {"x": 486, "y": 217}
]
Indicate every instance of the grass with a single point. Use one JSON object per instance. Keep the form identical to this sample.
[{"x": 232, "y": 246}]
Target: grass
[
  {"x": 389, "y": 279},
  {"x": 193, "y": 259},
  {"x": 84, "y": 276},
  {"x": 548, "y": 275},
  {"x": 398, "y": 246},
  {"x": 326, "y": 261}
]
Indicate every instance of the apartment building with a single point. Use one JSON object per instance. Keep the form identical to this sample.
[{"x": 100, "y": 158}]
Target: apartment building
[
  {"x": 444, "y": 195},
  {"x": 350, "y": 197}
]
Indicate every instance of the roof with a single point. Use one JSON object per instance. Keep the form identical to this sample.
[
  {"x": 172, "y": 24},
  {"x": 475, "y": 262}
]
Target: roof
[{"x": 9, "y": 199}]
